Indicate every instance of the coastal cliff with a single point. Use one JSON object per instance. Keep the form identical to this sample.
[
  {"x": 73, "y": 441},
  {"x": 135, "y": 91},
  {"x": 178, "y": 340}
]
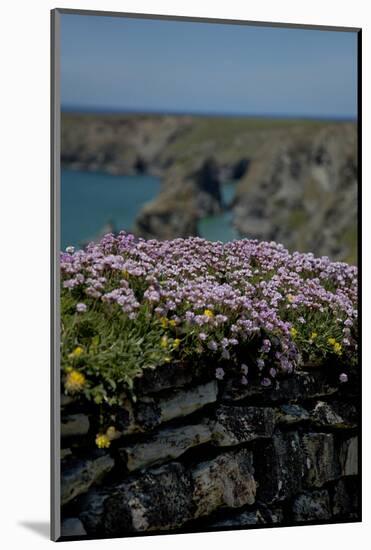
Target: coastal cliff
[{"x": 295, "y": 180}]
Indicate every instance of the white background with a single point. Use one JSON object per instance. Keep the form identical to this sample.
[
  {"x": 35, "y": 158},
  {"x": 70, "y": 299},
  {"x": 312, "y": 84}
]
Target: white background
[{"x": 24, "y": 268}]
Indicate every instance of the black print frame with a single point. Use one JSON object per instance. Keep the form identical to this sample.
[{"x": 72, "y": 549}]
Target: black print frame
[{"x": 205, "y": 247}]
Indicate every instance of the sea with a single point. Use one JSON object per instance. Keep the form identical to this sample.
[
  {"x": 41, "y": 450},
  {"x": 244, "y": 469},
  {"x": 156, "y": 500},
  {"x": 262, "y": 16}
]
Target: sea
[{"x": 94, "y": 203}]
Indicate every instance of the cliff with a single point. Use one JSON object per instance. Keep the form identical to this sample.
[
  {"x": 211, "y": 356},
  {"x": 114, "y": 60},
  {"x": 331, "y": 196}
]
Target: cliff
[{"x": 296, "y": 180}]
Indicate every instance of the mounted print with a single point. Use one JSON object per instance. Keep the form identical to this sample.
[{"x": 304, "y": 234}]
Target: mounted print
[{"x": 205, "y": 184}]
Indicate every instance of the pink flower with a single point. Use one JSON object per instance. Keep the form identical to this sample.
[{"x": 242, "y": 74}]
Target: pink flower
[
  {"x": 81, "y": 308},
  {"x": 343, "y": 377}
]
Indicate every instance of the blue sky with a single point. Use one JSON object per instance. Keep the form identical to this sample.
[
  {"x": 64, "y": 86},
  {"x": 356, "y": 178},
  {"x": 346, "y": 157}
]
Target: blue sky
[{"x": 165, "y": 66}]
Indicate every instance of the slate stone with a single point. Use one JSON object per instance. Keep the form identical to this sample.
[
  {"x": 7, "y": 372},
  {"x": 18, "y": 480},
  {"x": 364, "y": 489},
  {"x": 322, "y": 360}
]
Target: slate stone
[
  {"x": 279, "y": 467},
  {"x": 228, "y": 480},
  {"x": 72, "y": 527},
  {"x": 299, "y": 386},
  {"x": 292, "y": 414},
  {"x": 236, "y": 425},
  {"x": 160, "y": 499},
  {"x": 332, "y": 416},
  {"x": 349, "y": 457},
  {"x": 74, "y": 425},
  {"x": 169, "y": 376},
  {"x": 78, "y": 475},
  {"x": 167, "y": 444},
  {"x": 151, "y": 412},
  {"x": 342, "y": 501},
  {"x": 321, "y": 461},
  {"x": 314, "y": 506},
  {"x": 262, "y": 515}
]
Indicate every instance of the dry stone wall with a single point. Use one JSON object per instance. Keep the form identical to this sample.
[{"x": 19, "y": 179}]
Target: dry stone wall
[{"x": 193, "y": 453}]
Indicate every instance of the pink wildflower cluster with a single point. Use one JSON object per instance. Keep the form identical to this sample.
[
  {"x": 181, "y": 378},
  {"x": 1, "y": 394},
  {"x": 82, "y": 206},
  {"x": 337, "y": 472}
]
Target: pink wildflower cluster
[{"x": 222, "y": 297}]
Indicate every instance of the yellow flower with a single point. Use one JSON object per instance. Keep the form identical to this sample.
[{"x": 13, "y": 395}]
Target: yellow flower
[
  {"x": 164, "y": 342},
  {"x": 208, "y": 313},
  {"x": 167, "y": 359},
  {"x": 176, "y": 343},
  {"x": 125, "y": 273},
  {"x": 290, "y": 298},
  {"x": 75, "y": 381},
  {"x": 172, "y": 323},
  {"x": 77, "y": 352},
  {"x": 112, "y": 433},
  {"x": 164, "y": 322},
  {"x": 331, "y": 341},
  {"x": 293, "y": 332},
  {"x": 102, "y": 441},
  {"x": 337, "y": 348},
  {"x": 313, "y": 335}
]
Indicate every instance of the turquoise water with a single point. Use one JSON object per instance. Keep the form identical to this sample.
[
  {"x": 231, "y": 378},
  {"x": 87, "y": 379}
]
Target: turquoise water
[
  {"x": 92, "y": 200},
  {"x": 219, "y": 227},
  {"x": 94, "y": 203}
]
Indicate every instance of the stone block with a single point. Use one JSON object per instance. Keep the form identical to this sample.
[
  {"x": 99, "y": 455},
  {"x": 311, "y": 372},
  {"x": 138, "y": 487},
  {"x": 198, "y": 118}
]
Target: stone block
[
  {"x": 79, "y": 474},
  {"x": 349, "y": 457},
  {"x": 226, "y": 481},
  {"x": 170, "y": 375},
  {"x": 291, "y": 414},
  {"x": 152, "y": 412},
  {"x": 72, "y": 527},
  {"x": 333, "y": 416},
  {"x": 167, "y": 444},
  {"x": 314, "y": 506},
  {"x": 321, "y": 461},
  {"x": 161, "y": 499},
  {"x": 279, "y": 467},
  {"x": 342, "y": 501},
  {"x": 74, "y": 425},
  {"x": 298, "y": 386},
  {"x": 235, "y": 425}
]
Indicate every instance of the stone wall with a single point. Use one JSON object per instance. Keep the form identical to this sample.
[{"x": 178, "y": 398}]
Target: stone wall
[{"x": 194, "y": 453}]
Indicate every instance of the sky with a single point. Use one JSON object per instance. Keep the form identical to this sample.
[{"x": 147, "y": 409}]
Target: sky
[{"x": 116, "y": 63}]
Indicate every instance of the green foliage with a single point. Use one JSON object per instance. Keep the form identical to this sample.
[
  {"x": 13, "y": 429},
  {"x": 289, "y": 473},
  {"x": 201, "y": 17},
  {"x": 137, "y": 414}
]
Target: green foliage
[{"x": 115, "y": 349}]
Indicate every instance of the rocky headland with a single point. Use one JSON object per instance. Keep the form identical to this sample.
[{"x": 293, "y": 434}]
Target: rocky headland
[{"x": 295, "y": 180}]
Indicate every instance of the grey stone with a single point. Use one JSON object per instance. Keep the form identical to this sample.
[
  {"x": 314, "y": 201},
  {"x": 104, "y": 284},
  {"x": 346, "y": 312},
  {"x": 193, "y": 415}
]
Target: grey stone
[
  {"x": 74, "y": 425},
  {"x": 342, "y": 502},
  {"x": 165, "y": 445},
  {"x": 326, "y": 415},
  {"x": 298, "y": 386},
  {"x": 262, "y": 515},
  {"x": 170, "y": 375},
  {"x": 279, "y": 467},
  {"x": 349, "y": 457},
  {"x": 66, "y": 400},
  {"x": 160, "y": 499},
  {"x": 65, "y": 453},
  {"x": 125, "y": 420},
  {"x": 78, "y": 475},
  {"x": 235, "y": 425},
  {"x": 291, "y": 414},
  {"x": 240, "y": 520},
  {"x": 72, "y": 527},
  {"x": 152, "y": 412},
  {"x": 92, "y": 509},
  {"x": 313, "y": 506},
  {"x": 321, "y": 462},
  {"x": 228, "y": 480}
]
